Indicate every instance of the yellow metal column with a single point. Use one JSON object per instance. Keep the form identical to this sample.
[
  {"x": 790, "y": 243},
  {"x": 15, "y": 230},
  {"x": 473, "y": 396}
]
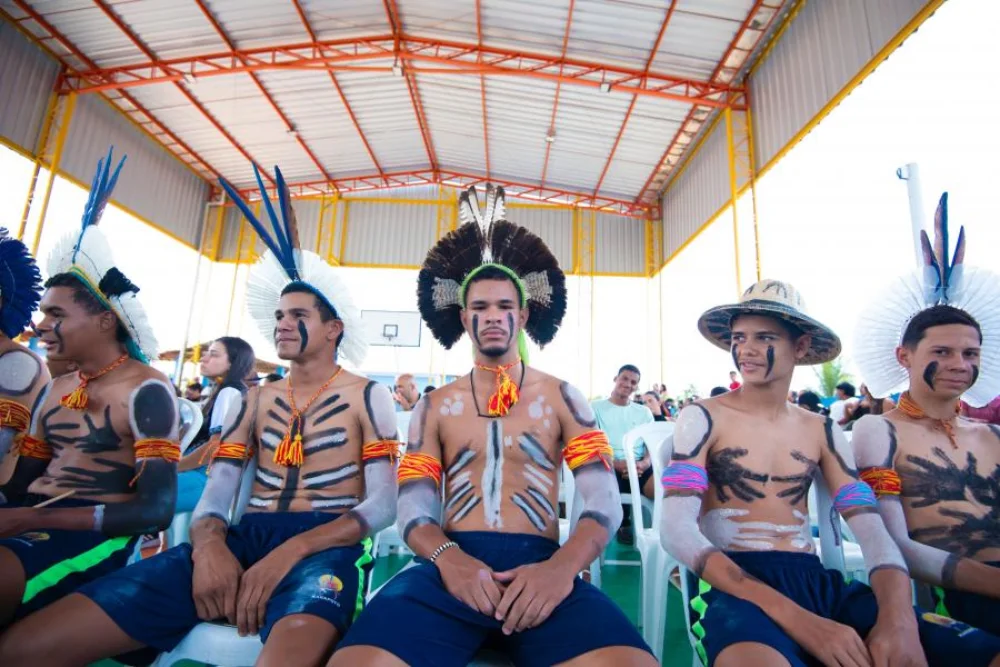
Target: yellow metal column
[
  {"x": 733, "y": 195},
  {"x": 236, "y": 268},
  {"x": 41, "y": 151},
  {"x": 742, "y": 175},
  {"x": 66, "y": 116},
  {"x": 343, "y": 231}
]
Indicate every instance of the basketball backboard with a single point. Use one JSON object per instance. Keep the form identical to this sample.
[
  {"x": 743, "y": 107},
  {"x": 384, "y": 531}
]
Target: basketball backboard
[{"x": 392, "y": 328}]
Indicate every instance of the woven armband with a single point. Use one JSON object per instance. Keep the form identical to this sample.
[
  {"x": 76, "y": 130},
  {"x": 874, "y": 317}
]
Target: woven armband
[
  {"x": 232, "y": 451},
  {"x": 415, "y": 465},
  {"x": 587, "y": 448},
  {"x": 381, "y": 449},
  {"x": 853, "y": 495},
  {"x": 35, "y": 448},
  {"x": 684, "y": 479},
  {"x": 883, "y": 481},
  {"x": 155, "y": 448},
  {"x": 14, "y": 416}
]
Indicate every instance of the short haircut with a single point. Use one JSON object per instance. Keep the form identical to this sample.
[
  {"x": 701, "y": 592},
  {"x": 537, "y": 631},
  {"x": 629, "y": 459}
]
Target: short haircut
[
  {"x": 936, "y": 316},
  {"x": 810, "y": 401},
  {"x": 84, "y": 298},
  {"x": 847, "y": 388},
  {"x": 325, "y": 313},
  {"x": 493, "y": 273},
  {"x": 630, "y": 368},
  {"x": 719, "y": 391}
]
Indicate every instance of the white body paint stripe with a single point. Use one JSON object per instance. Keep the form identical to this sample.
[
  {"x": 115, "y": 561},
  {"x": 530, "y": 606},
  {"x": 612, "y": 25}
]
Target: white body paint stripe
[
  {"x": 268, "y": 478},
  {"x": 459, "y": 480},
  {"x": 492, "y": 484},
  {"x": 260, "y": 502},
  {"x": 334, "y": 476},
  {"x": 335, "y": 502}
]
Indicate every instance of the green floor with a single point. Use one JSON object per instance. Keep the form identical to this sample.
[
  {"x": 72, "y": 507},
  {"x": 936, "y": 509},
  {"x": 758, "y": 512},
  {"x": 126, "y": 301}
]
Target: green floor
[{"x": 620, "y": 581}]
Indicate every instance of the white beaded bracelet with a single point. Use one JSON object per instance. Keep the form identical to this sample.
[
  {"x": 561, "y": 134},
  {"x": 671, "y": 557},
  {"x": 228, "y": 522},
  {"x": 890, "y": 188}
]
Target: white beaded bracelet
[{"x": 441, "y": 549}]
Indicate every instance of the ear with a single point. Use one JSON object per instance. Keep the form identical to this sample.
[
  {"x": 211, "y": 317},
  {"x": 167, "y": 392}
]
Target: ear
[
  {"x": 107, "y": 321},
  {"x": 802, "y": 346},
  {"x": 334, "y": 328},
  {"x": 904, "y": 356},
  {"x": 523, "y": 318},
  {"x": 463, "y": 315}
]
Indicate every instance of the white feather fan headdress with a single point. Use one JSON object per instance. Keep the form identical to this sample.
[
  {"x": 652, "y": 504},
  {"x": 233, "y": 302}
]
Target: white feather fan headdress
[
  {"x": 284, "y": 264},
  {"x": 87, "y": 256},
  {"x": 941, "y": 279}
]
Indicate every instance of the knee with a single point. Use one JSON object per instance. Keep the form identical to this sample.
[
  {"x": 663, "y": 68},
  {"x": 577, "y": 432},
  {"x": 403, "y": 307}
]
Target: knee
[
  {"x": 750, "y": 653},
  {"x": 298, "y": 640}
]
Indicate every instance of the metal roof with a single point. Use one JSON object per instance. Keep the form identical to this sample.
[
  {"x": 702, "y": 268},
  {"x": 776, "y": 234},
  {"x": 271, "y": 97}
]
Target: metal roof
[{"x": 590, "y": 102}]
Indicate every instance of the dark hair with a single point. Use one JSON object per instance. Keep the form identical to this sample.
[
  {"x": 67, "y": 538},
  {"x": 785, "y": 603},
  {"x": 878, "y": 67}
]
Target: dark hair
[
  {"x": 493, "y": 273},
  {"x": 325, "y": 312},
  {"x": 719, "y": 391},
  {"x": 193, "y": 385},
  {"x": 810, "y": 401},
  {"x": 630, "y": 368},
  {"x": 241, "y": 362},
  {"x": 936, "y": 316},
  {"x": 84, "y": 298},
  {"x": 793, "y": 331},
  {"x": 847, "y": 388},
  {"x": 429, "y": 388}
]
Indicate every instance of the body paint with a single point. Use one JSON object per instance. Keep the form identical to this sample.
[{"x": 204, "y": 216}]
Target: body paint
[
  {"x": 303, "y": 337},
  {"x": 510, "y": 328},
  {"x": 475, "y": 328},
  {"x": 722, "y": 528},
  {"x": 929, "y": 373},
  {"x": 57, "y": 332},
  {"x": 770, "y": 360},
  {"x": 534, "y": 517},
  {"x": 975, "y": 375},
  {"x": 492, "y": 482}
]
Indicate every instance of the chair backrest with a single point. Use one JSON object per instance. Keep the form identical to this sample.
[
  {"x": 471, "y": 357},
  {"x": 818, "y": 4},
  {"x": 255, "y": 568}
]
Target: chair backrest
[
  {"x": 653, "y": 435},
  {"x": 660, "y": 459},
  {"x": 191, "y": 420}
]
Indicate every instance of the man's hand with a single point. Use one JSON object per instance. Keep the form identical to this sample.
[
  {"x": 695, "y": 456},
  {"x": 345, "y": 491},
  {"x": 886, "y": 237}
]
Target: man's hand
[
  {"x": 215, "y": 581},
  {"x": 257, "y": 585},
  {"x": 895, "y": 643},
  {"x": 533, "y": 592},
  {"x": 833, "y": 644},
  {"x": 469, "y": 580}
]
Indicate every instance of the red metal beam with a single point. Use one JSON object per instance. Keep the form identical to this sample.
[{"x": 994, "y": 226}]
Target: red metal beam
[
  {"x": 555, "y": 101},
  {"x": 396, "y": 25},
  {"x": 631, "y": 106},
  {"x": 79, "y": 55},
  {"x": 422, "y": 55},
  {"x": 482, "y": 85},
  {"x": 139, "y": 44},
  {"x": 289, "y": 126},
  {"x": 336, "y": 85},
  {"x": 644, "y": 193}
]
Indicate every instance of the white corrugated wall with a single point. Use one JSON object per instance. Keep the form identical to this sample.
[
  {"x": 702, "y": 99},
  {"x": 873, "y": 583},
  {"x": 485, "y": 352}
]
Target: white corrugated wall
[{"x": 27, "y": 76}]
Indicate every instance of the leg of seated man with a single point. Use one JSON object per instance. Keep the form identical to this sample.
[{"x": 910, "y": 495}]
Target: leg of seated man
[
  {"x": 364, "y": 655},
  {"x": 299, "y": 639},
  {"x": 614, "y": 656},
  {"x": 11, "y": 585},
  {"x": 751, "y": 653},
  {"x": 72, "y": 632}
]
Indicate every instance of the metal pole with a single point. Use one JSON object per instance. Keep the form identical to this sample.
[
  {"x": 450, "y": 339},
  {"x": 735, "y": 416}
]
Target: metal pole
[
  {"x": 202, "y": 231},
  {"x": 67, "y": 117},
  {"x": 911, "y": 174},
  {"x": 734, "y": 195}
]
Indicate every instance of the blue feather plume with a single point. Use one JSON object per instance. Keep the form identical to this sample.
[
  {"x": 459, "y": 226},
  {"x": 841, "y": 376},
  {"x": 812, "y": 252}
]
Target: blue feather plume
[
  {"x": 100, "y": 191},
  {"x": 20, "y": 285},
  {"x": 942, "y": 268}
]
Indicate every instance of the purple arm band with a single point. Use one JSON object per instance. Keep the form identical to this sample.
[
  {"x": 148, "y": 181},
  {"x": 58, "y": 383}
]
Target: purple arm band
[
  {"x": 854, "y": 494},
  {"x": 685, "y": 477}
]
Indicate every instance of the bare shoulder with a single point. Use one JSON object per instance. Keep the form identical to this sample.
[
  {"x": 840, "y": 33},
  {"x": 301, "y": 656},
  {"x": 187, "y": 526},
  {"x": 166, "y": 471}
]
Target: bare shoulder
[
  {"x": 20, "y": 369},
  {"x": 353, "y": 381},
  {"x": 142, "y": 372},
  {"x": 980, "y": 430}
]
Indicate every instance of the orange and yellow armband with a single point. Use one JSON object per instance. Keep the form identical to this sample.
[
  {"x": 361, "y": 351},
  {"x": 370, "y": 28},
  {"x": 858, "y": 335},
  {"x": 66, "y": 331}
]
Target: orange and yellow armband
[
  {"x": 14, "y": 415},
  {"x": 155, "y": 448},
  {"x": 380, "y": 449},
  {"x": 35, "y": 448},
  {"x": 232, "y": 450},
  {"x": 587, "y": 448},
  {"x": 884, "y": 481},
  {"x": 415, "y": 465}
]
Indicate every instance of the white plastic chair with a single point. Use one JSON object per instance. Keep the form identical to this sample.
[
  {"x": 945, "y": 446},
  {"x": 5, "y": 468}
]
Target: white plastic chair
[
  {"x": 191, "y": 420},
  {"x": 655, "y": 564}
]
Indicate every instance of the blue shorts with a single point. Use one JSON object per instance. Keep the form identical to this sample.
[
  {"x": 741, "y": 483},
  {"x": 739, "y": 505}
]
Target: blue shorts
[
  {"x": 416, "y": 619},
  {"x": 151, "y": 600},
  {"x": 721, "y": 620},
  {"x": 57, "y": 562},
  {"x": 977, "y": 610}
]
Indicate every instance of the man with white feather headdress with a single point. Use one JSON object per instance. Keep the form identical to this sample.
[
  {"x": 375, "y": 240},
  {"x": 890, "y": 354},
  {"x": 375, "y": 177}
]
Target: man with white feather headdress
[
  {"x": 320, "y": 444},
  {"x": 102, "y": 447},
  {"x": 479, "y": 483},
  {"x": 935, "y": 335}
]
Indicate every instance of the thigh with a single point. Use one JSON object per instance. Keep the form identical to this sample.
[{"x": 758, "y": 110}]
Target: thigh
[
  {"x": 299, "y": 639},
  {"x": 417, "y": 620},
  {"x": 752, "y": 653},
  {"x": 11, "y": 584},
  {"x": 559, "y": 639}
]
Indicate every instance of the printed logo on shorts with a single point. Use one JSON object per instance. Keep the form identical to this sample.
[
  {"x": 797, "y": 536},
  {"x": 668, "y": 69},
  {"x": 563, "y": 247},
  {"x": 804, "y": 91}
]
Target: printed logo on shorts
[
  {"x": 961, "y": 629},
  {"x": 31, "y": 538},
  {"x": 331, "y": 584}
]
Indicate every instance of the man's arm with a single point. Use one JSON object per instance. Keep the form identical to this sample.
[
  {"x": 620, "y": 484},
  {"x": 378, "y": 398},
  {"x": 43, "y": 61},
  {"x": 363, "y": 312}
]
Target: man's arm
[
  {"x": 874, "y": 443},
  {"x": 22, "y": 378},
  {"x": 34, "y": 455}
]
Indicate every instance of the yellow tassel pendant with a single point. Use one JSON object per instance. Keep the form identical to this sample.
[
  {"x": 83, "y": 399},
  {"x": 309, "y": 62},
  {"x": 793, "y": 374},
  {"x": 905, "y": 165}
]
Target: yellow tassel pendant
[
  {"x": 76, "y": 399},
  {"x": 507, "y": 395},
  {"x": 289, "y": 451}
]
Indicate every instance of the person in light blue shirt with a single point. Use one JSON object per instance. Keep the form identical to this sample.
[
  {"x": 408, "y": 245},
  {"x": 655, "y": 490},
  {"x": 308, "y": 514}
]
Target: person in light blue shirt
[{"x": 616, "y": 416}]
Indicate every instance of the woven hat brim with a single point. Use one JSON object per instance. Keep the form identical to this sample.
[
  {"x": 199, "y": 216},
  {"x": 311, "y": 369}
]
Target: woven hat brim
[{"x": 714, "y": 325}]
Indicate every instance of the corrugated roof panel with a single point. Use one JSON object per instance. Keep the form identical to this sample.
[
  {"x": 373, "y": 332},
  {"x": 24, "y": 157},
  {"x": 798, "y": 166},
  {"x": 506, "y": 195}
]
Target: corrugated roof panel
[
  {"x": 620, "y": 245},
  {"x": 696, "y": 38},
  {"x": 153, "y": 183},
  {"x": 454, "y": 109},
  {"x": 342, "y": 19},
  {"x": 254, "y": 23},
  {"x": 93, "y": 33},
  {"x": 519, "y": 113},
  {"x": 27, "y": 76},
  {"x": 389, "y": 234},
  {"x": 615, "y": 32},
  {"x": 169, "y": 28}
]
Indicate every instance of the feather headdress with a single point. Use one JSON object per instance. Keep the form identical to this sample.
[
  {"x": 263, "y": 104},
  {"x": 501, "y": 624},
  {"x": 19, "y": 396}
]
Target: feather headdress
[
  {"x": 20, "y": 285},
  {"x": 86, "y": 255},
  {"x": 284, "y": 263},
  {"x": 942, "y": 278},
  {"x": 486, "y": 239}
]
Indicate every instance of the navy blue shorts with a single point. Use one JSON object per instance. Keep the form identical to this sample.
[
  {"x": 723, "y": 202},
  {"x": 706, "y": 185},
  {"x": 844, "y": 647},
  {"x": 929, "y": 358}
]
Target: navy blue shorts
[
  {"x": 721, "y": 620},
  {"x": 977, "y": 610},
  {"x": 58, "y": 562},
  {"x": 416, "y": 619},
  {"x": 151, "y": 600}
]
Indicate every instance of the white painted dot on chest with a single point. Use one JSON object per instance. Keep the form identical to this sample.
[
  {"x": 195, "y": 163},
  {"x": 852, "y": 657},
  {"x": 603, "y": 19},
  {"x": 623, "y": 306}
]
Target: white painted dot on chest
[
  {"x": 537, "y": 408},
  {"x": 452, "y": 406}
]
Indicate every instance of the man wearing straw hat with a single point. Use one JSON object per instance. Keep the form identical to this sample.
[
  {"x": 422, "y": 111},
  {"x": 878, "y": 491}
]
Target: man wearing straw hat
[
  {"x": 102, "y": 448},
  {"x": 736, "y": 514}
]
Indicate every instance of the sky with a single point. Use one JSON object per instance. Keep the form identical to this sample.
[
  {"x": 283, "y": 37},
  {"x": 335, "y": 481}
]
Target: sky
[{"x": 833, "y": 217}]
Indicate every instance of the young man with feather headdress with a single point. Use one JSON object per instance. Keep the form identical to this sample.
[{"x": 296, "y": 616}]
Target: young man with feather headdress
[
  {"x": 936, "y": 334},
  {"x": 101, "y": 450},
  {"x": 320, "y": 444},
  {"x": 479, "y": 483}
]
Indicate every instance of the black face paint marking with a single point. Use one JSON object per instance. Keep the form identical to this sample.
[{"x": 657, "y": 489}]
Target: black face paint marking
[
  {"x": 303, "y": 337},
  {"x": 510, "y": 328},
  {"x": 475, "y": 328},
  {"x": 57, "y": 332},
  {"x": 770, "y": 360},
  {"x": 736, "y": 357},
  {"x": 929, "y": 373},
  {"x": 274, "y": 334},
  {"x": 975, "y": 374},
  {"x": 154, "y": 409}
]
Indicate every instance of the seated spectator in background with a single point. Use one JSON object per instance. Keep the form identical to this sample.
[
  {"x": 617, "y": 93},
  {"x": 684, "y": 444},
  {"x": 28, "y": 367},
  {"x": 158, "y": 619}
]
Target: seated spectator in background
[
  {"x": 845, "y": 393},
  {"x": 406, "y": 394},
  {"x": 868, "y": 405},
  {"x": 652, "y": 401},
  {"x": 719, "y": 391},
  {"x": 428, "y": 389},
  {"x": 616, "y": 416},
  {"x": 193, "y": 392},
  {"x": 734, "y": 382},
  {"x": 989, "y": 413},
  {"x": 809, "y": 400}
]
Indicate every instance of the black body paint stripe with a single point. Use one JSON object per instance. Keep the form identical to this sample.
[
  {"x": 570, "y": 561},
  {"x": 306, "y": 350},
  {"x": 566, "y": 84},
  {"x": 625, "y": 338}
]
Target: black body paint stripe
[
  {"x": 464, "y": 457},
  {"x": 708, "y": 433},
  {"x": 266, "y": 483},
  {"x": 371, "y": 413},
  {"x": 239, "y": 420},
  {"x": 291, "y": 486},
  {"x": 564, "y": 388},
  {"x": 542, "y": 502},
  {"x": 34, "y": 377},
  {"x": 422, "y": 408},
  {"x": 893, "y": 444},
  {"x": 466, "y": 508},
  {"x": 155, "y": 411},
  {"x": 828, "y": 429},
  {"x": 416, "y": 523},
  {"x": 535, "y": 451},
  {"x": 457, "y": 495},
  {"x": 278, "y": 401},
  {"x": 534, "y": 517},
  {"x": 949, "y": 569},
  {"x": 271, "y": 414},
  {"x": 598, "y": 517},
  {"x": 888, "y": 566}
]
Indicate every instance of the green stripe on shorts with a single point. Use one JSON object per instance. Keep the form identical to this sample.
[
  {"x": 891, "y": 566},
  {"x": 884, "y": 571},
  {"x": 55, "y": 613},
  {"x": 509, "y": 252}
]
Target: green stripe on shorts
[
  {"x": 81, "y": 563},
  {"x": 364, "y": 559}
]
